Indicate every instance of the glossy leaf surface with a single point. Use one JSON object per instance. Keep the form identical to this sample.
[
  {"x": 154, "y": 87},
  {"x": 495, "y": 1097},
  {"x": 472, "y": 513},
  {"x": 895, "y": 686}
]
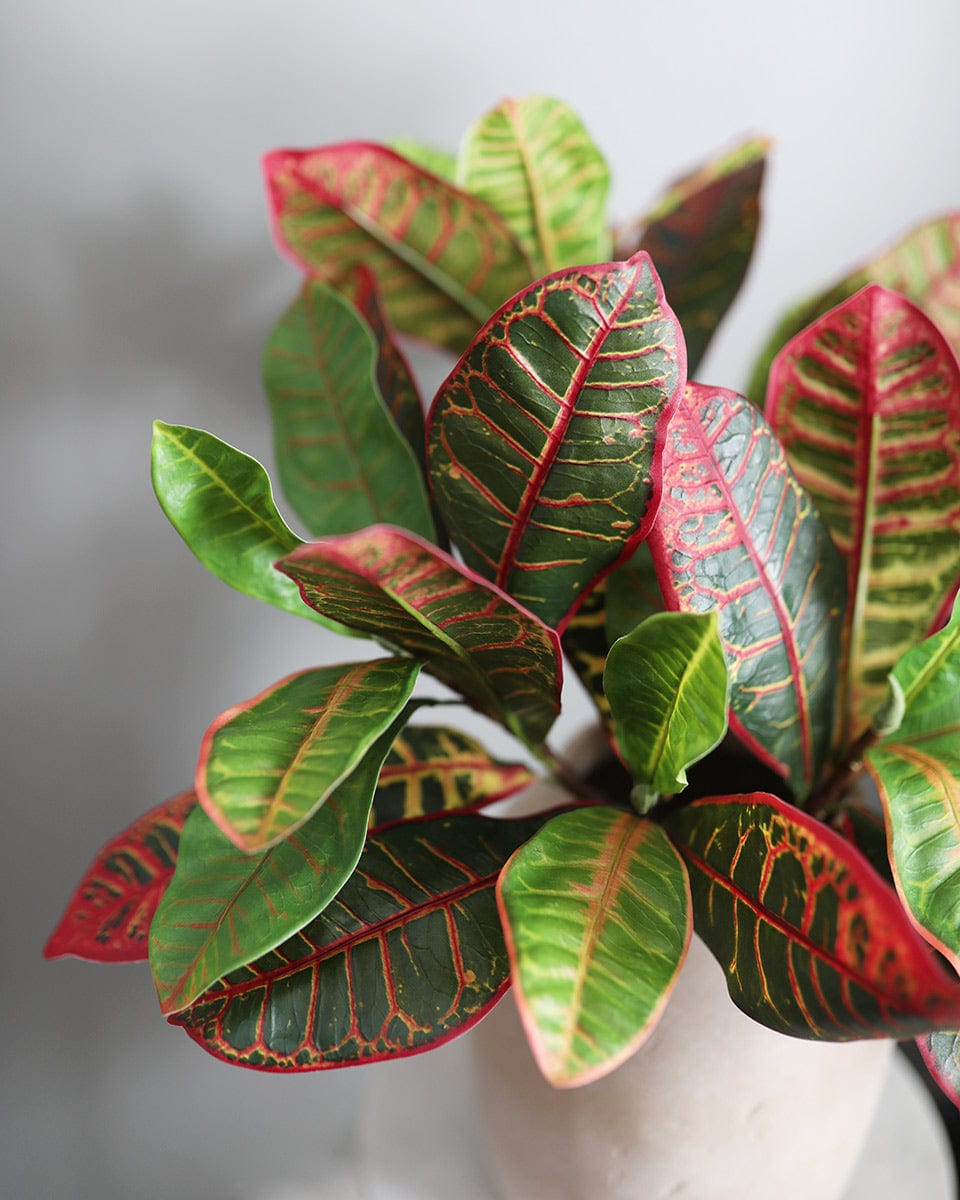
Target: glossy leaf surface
[
  {"x": 596, "y": 910},
  {"x": 532, "y": 160},
  {"x": 941, "y": 1055},
  {"x": 220, "y": 502},
  {"x": 812, "y": 941},
  {"x": 924, "y": 267},
  {"x": 701, "y": 236},
  {"x": 433, "y": 769},
  {"x": 409, "y": 954},
  {"x": 418, "y": 600},
  {"x": 866, "y": 402},
  {"x": 268, "y": 764},
  {"x": 668, "y": 691},
  {"x": 343, "y": 462},
  {"x": 917, "y": 772},
  {"x": 394, "y": 376},
  {"x": 443, "y": 260},
  {"x": 738, "y": 534},
  {"x": 224, "y": 908},
  {"x": 542, "y": 443},
  {"x": 109, "y": 915}
]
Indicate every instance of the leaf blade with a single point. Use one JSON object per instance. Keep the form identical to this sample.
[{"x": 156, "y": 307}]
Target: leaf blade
[
  {"x": 596, "y": 913},
  {"x": 268, "y": 764},
  {"x": 812, "y": 941},
  {"x": 579, "y": 370},
  {"x": 415, "y": 931},
  {"x": 108, "y": 916},
  {"x": 416, "y": 599}
]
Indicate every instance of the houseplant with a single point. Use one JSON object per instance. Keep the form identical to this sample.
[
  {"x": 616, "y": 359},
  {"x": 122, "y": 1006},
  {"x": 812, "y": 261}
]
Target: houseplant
[{"x": 763, "y": 601}]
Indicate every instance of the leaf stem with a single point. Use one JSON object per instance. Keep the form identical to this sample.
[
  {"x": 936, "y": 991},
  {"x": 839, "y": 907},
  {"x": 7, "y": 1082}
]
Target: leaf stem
[
  {"x": 565, "y": 774},
  {"x": 829, "y": 796}
]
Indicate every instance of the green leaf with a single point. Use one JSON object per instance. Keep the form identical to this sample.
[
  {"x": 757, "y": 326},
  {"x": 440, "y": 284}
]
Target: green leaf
[
  {"x": 408, "y": 955},
  {"x": 443, "y": 260},
  {"x": 433, "y": 769},
  {"x": 430, "y": 158},
  {"x": 416, "y": 599},
  {"x": 532, "y": 160},
  {"x": 268, "y": 764},
  {"x": 701, "y": 235},
  {"x": 668, "y": 690},
  {"x": 812, "y": 941},
  {"x": 220, "y": 502},
  {"x": 584, "y": 642},
  {"x": 737, "y": 533},
  {"x": 917, "y": 772},
  {"x": 866, "y": 402},
  {"x": 343, "y": 462},
  {"x": 596, "y": 911},
  {"x": 543, "y": 442},
  {"x": 924, "y": 267},
  {"x": 224, "y": 908},
  {"x": 109, "y": 915}
]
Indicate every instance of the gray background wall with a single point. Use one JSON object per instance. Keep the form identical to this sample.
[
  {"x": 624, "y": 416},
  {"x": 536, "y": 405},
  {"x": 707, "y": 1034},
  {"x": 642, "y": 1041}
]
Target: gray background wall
[{"x": 139, "y": 281}]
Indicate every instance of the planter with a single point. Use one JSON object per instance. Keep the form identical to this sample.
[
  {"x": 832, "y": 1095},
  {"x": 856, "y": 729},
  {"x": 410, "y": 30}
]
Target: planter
[{"x": 712, "y": 1107}]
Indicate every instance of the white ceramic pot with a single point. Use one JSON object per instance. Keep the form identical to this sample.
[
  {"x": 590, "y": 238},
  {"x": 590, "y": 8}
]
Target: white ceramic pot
[{"x": 712, "y": 1107}]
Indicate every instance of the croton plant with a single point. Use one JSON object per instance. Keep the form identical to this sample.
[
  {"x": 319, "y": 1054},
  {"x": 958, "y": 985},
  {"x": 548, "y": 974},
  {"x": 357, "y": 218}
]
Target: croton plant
[{"x": 758, "y": 590}]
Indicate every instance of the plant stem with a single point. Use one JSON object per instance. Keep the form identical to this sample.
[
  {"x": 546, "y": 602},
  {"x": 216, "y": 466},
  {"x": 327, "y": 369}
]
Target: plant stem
[
  {"x": 564, "y": 774},
  {"x": 837, "y": 785}
]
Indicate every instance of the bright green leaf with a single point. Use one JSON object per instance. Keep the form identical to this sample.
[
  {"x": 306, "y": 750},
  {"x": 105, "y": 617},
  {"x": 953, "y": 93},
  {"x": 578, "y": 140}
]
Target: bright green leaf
[
  {"x": 220, "y": 502},
  {"x": 597, "y": 919},
  {"x": 533, "y": 161},
  {"x": 430, "y": 158},
  {"x": 669, "y": 692},
  {"x": 224, "y": 908},
  {"x": 267, "y": 765}
]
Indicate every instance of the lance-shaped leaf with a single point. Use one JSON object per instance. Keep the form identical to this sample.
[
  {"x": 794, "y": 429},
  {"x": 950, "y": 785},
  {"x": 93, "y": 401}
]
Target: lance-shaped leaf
[
  {"x": 917, "y": 772},
  {"x": 343, "y": 462},
  {"x": 668, "y": 690},
  {"x": 543, "y": 445},
  {"x": 737, "y": 533},
  {"x": 109, "y": 915},
  {"x": 443, "y": 259},
  {"x": 433, "y": 769},
  {"x": 394, "y": 376},
  {"x": 924, "y": 267},
  {"x": 701, "y": 235},
  {"x": 220, "y": 502},
  {"x": 941, "y": 1056},
  {"x": 224, "y": 908},
  {"x": 596, "y": 912},
  {"x": 268, "y": 764},
  {"x": 409, "y": 954},
  {"x": 532, "y": 160},
  {"x": 866, "y": 402},
  {"x": 812, "y": 941},
  {"x": 416, "y": 599}
]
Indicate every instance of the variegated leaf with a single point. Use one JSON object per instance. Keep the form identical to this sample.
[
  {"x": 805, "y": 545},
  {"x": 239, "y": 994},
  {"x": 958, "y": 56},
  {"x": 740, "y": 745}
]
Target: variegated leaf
[
  {"x": 924, "y": 267},
  {"x": 414, "y": 598},
  {"x": 866, "y": 402},
  {"x": 433, "y": 769},
  {"x": 532, "y": 160},
  {"x": 443, "y": 260},
  {"x": 342, "y": 460},
  {"x": 109, "y": 915},
  {"x": 701, "y": 236},
  {"x": 224, "y": 908},
  {"x": 596, "y": 911},
  {"x": 737, "y": 533},
  {"x": 812, "y": 941},
  {"x": 268, "y": 764},
  {"x": 941, "y": 1056},
  {"x": 543, "y": 443},
  {"x": 408, "y": 955}
]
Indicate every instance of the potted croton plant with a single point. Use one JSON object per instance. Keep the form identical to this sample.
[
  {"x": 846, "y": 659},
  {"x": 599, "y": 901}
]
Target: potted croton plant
[{"x": 755, "y": 591}]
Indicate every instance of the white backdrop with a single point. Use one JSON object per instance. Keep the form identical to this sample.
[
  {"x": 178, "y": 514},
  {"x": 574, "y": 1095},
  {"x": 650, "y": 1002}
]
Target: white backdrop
[{"x": 139, "y": 281}]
